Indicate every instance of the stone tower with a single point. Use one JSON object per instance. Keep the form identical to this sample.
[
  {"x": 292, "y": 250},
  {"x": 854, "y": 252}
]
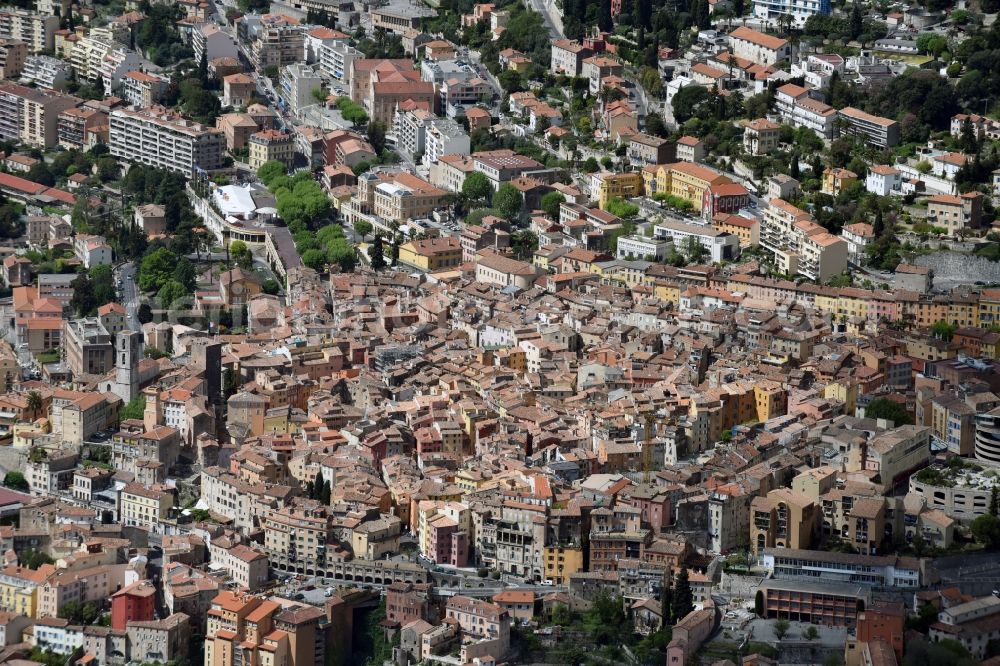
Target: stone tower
[{"x": 128, "y": 352}]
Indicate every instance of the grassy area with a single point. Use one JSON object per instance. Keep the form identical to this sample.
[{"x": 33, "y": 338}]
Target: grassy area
[{"x": 48, "y": 357}]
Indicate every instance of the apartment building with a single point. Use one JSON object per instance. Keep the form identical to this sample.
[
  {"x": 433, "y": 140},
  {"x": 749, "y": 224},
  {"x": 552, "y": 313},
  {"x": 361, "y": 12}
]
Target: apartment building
[
  {"x": 503, "y": 166},
  {"x": 720, "y": 245},
  {"x": 801, "y": 246},
  {"x": 144, "y": 507},
  {"x": 760, "y": 136},
  {"x": 444, "y": 137},
  {"x": 480, "y": 619},
  {"x": 799, "y": 10},
  {"x": 13, "y": 54},
  {"x": 783, "y": 518},
  {"x": 161, "y": 641},
  {"x": 568, "y": 57},
  {"x": 884, "y": 180},
  {"x": 746, "y": 229},
  {"x": 89, "y": 349},
  {"x": 759, "y": 47},
  {"x": 682, "y": 179},
  {"x": 896, "y": 454},
  {"x": 45, "y": 71},
  {"x": 88, "y": 54},
  {"x": 798, "y": 109},
  {"x": 36, "y": 30},
  {"x": 247, "y": 566},
  {"x": 431, "y": 254},
  {"x": 410, "y": 129},
  {"x": 387, "y": 93},
  {"x": 271, "y": 145},
  {"x": 31, "y": 116},
  {"x": 598, "y": 67},
  {"x": 644, "y": 149},
  {"x": 115, "y": 65},
  {"x": 605, "y": 186},
  {"x": 158, "y": 137},
  {"x": 296, "y": 85},
  {"x": 335, "y": 60},
  {"x": 278, "y": 42},
  {"x": 956, "y": 213},
  {"x": 875, "y": 130},
  {"x": 141, "y": 89},
  {"x": 208, "y": 38},
  {"x": 78, "y": 127},
  {"x": 296, "y": 539}
]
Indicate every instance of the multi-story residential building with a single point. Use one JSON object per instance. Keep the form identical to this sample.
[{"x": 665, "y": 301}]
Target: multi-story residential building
[
  {"x": 761, "y": 136},
  {"x": 897, "y": 453},
  {"x": 36, "y": 30},
  {"x": 88, "y": 54},
  {"x": 78, "y": 127},
  {"x": 396, "y": 197},
  {"x": 617, "y": 534},
  {"x": 209, "y": 38},
  {"x": 884, "y": 180},
  {"x": 598, "y": 67},
  {"x": 956, "y": 213},
  {"x": 45, "y": 71},
  {"x": 410, "y": 129},
  {"x": 974, "y": 624},
  {"x": 278, "y": 41},
  {"x": 568, "y": 57},
  {"x": 801, "y": 246},
  {"x": 691, "y": 149},
  {"x": 444, "y": 137},
  {"x": 296, "y": 539},
  {"x": 783, "y": 518},
  {"x": 385, "y": 96},
  {"x": 115, "y": 65},
  {"x": 605, "y": 186},
  {"x": 335, "y": 60},
  {"x": 142, "y": 89},
  {"x": 857, "y": 236},
  {"x": 798, "y": 109},
  {"x": 746, "y": 229},
  {"x": 799, "y": 10},
  {"x": 759, "y": 47},
  {"x": 159, "y": 640},
  {"x": 875, "y": 130},
  {"x": 92, "y": 250},
  {"x": 238, "y": 89},
  {"x": 271, "y": 145},
  {"x": 296, "y": 85},
  {"x": 161, "y": 138},
  {"x": 836, "y": 180},
  {"x": 431, "y": 254},
  {"x": 89, "y": 349},
  {"x": 31, "y": 116},
  {"x": 502, "y": 166},
  {"x": 13, "y": 54},
  {"x": 644, "y": 149},
  {"x": 144, "y": 507},
  {"x": 480, "y": 620},
  {"x": 720, "y": 245}
]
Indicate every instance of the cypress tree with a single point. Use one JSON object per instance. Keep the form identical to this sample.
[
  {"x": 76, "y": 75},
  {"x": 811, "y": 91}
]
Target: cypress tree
[{"x": 683, "y": 600}]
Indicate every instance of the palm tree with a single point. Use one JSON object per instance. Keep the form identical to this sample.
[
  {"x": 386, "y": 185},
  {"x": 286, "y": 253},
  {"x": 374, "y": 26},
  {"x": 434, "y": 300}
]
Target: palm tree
[{"x": 35, "y": 402}]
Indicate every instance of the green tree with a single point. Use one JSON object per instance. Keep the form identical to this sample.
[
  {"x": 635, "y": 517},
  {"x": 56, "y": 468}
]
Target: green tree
[
  {"x": 83, "y": 302},
  {"x": 550, "y": 203},
  {"x": 156, "y": 269},
  {"x": 780, "y": 628},
  {"x": 172, "y": 294},
  {"x": 811, "y": 633},
  {"x": 35, "y": 402},
  {"x": 135, "y": 409},
  {"x": 40, "y": 173},
  {"x": 507, "y": 201},
  {"x": 477, "y": 188},
  {"x": 184, "y": 273},
  {"x": 363, "y": 228},
  {"x": 683, "y": 599},
  {"x": 230, "y": 383},
  {"x": 883, "y": 408},
  {"x": 324, "y": 496},
  {"x": 35, "y": 558},
  {"x": 318, "y": 485},
  {"x": 687, "y": 102},
  {"x": 943, "y": 330},
  {"x": 270, "y": 171},
  {"x": 16, "y": 481},
  {"x": 241, "y": 254},
  {"x": 857, "y": 23},
  {"x": 376, "y": 254},
  {"x": 314, "y": 259},
  {"x": 986, "y": 530}
]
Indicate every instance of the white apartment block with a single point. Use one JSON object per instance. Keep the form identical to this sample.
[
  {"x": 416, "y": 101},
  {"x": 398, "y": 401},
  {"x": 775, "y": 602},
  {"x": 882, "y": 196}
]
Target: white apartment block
[
  {"x": 721, "y": 246},
  {"x": 142, "y": 89},
  {"x": 115, "y": 65},
  {"x": 159, "y": 138},
  {"x": 884, "y": 180},
  {"x": 45, "y": 71},
  {"x": 568, "y": 57},
  {"x": 36, "y": 30},
  {"x": 799, "y": 10},
  {"x": 759, "y": 47},
  {"x": 800, "y": 245},
  {"x": 335, "y": 60},
  {"x": 88, "y": 54},
  {"x": 410, "y": 129},
  {"x": 445, "y": 137},
  {"x": 296, "y": 86},
  {"x": 798, "y": 109},
  {"x": 640, "y": 247}
]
